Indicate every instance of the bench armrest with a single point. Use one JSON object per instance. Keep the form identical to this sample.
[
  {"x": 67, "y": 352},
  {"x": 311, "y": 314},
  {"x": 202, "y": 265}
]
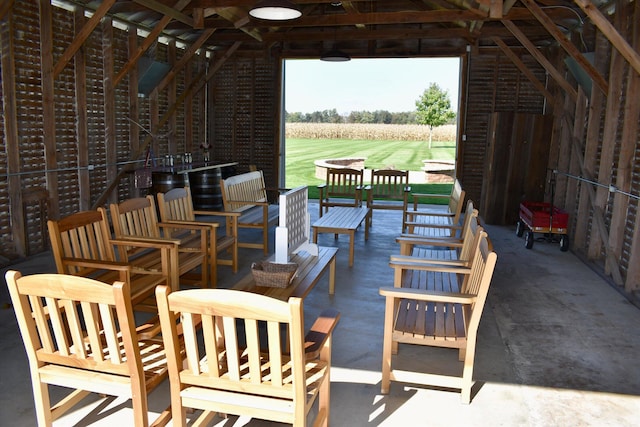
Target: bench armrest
[
  {"x": 407, "y": 262},
  {"x": 431, "y": 296},
  {"x": 408, "y": 239},
  {"x": 202, "y": 224},
  {"x": 98, "y": 265},
  {"x": 146, "y": 242},
  {"x": 218, "y": 213},
  {"x": 320, "y": 332}
]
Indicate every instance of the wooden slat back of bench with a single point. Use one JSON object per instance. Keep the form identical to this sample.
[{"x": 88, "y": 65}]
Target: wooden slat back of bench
[{"x": 242, "y": 192}]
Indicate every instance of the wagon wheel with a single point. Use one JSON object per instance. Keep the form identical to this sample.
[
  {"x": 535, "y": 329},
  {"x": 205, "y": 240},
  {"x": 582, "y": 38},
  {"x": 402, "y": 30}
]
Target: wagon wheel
[
  {"x": 528, "y": 239},
  {"x": 519, "y": 228},
  {"x": 564, "y": 243}
]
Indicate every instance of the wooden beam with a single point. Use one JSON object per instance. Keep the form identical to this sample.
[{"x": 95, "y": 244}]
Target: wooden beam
[
  {"x": 608, "y": 147},
  {"x": 555, "y": 74},
  {"x": 196, "y": 85},
  {"x": 151, "y": 38},
  {"x": 134, "y": 105},
  {"x": 80, "y": 67},
  {"x": 240, "y": 22},
  {"x": 624, "y": 177},
  {"x": 81, "y": 36},
  {"x": 48, "y": 103},
  {"x": 5, "y": 7},
  {"x": 616, "y": 39},
  {"x": 524, "y": 69},
  {"x": 598, "y": 214},
  {"x": 566, "y": 44},
  {"x": 186, "y": 57},
  {"x": 109, "y": 102},
  {"x": 12, "y": 140},
  {"x": 167, "y": 11}
]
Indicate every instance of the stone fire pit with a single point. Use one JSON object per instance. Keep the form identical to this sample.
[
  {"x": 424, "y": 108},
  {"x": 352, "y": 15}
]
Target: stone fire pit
[
  {"x": 343, "y": 163},
  {"x": 439, "y": 171}
]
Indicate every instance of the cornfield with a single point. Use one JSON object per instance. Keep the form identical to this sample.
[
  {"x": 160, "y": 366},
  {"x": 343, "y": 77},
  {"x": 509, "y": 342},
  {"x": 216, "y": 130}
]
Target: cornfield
[{"x": 369, "y": 132}]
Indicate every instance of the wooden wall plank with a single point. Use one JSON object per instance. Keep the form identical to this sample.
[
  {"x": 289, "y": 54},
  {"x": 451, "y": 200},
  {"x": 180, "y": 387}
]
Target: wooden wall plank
[
  {"x": 81, "y": 122},
  {"x": 109, "y": 103},
  {"x": 10, "y": 121},
  {"x": 48, "y": 104},
  {"x": 589, "y": 153},
  {"x": 82, "y": 35},
  {"x": 607, "y": 150},
  {"x": 629, "y": 141}
]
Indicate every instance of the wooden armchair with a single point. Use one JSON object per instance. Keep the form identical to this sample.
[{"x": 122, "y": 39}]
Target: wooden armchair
[
  {"x": 343, "y": 188},
  {"x": 427, "y": 221},
  {"x": 137, "y": 219},
  {"x": 81, "y": 244},
  {"x": 246, "y": 194},
  {"x": 79, "y": 333},
  {"x": 279, "y": 383},
  {"x": 423, "y": 311},
  {"x": 176, "y": 206},
  {"x": 387, "y": 188}
]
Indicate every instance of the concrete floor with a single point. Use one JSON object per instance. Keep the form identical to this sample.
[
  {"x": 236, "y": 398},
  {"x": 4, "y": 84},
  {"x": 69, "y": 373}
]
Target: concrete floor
[{"x": 557, "y": 346}]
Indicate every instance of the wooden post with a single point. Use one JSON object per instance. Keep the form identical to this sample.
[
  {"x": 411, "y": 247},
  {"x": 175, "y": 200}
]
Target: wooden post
[
  {"x": 84, "y": 183},
  {"x": 10, "y": 119},
  {"x": 109, "y": 103}
]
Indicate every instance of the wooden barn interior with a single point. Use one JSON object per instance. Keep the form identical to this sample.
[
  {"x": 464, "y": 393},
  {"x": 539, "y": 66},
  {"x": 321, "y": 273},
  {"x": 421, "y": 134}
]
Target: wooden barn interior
[{"x": 549, "y": 95}]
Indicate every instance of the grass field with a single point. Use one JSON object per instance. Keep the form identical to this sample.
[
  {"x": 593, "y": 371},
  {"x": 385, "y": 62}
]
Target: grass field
[{"x": 302, "y": 152}]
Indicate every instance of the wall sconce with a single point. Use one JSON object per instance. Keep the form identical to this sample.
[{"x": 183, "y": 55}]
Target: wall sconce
[{"x": 275, "y": 10}]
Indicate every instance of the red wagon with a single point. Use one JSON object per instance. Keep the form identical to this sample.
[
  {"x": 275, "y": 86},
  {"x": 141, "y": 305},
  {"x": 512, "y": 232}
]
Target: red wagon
[{"x": 541, "y": 217}]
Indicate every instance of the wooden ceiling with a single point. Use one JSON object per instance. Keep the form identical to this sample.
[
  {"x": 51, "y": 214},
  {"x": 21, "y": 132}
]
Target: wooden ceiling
[{"x": 361, "y": 28}]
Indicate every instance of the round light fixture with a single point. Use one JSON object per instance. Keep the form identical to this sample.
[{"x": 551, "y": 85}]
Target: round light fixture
[
  {"x": 335, "y": 56},
  {"x": 275, "y": 10}
]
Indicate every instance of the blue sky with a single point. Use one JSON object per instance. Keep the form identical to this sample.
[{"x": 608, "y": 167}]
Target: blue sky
[{"x": 393, "y": 85}]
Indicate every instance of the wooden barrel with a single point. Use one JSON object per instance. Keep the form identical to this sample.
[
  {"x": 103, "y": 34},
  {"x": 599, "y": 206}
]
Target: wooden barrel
[
  {"x": 205, "y": 189},
  {"x": 163, "y": 181}
]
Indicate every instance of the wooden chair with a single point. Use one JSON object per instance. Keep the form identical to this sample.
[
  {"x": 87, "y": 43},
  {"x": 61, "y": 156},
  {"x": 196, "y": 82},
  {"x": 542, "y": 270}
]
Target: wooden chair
[
  {"x": 430, "y": 221},
  {"x": 342, "y": 188},
  {"x": 176, "y": 205},
  {"x": 246, "y": 195},
  {"x": 389, "y": 186},
  {"x": 81, "y": 244},
  {"x": 423, "y": 311},
  {"x": 79, "y": 333},
  {"x": 230, "y": 374},
  {"x": 137, "y": 219}
]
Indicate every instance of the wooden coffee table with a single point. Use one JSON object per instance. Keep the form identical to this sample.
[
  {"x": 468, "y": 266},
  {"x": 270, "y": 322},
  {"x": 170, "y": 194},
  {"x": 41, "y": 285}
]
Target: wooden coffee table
[
  {"x": 310, "y": 270},
  {"x": 344, "y": 220}
]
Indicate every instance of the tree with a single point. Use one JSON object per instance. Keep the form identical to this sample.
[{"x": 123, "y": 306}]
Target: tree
[{"x": 434, "y": 108}]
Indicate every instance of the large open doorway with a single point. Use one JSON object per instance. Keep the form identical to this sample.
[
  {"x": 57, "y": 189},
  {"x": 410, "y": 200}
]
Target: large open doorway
[{"x": 364, "y": 108}]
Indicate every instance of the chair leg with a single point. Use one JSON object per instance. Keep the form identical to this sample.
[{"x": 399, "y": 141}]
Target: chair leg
[
  {"x": 387, "y": 346},
  {"x": 42, "y": 401}
]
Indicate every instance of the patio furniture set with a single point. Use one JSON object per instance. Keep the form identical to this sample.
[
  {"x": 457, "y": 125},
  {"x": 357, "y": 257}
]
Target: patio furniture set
[{"x": 254, "y": 359}]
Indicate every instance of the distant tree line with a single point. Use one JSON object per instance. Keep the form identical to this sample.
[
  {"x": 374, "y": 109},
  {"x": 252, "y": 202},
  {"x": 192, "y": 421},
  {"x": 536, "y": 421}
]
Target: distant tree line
[{"x": 365, "y": 117}]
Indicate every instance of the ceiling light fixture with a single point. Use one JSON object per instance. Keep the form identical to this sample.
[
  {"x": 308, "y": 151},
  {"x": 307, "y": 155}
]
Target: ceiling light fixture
[
  {"x": 335, "y": 55},
  {"x": 275, "y": 10}
]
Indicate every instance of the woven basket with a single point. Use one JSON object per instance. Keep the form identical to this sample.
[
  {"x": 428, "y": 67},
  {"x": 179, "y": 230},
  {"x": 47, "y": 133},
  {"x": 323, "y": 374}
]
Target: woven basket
[{"x": 273, "y": 274}]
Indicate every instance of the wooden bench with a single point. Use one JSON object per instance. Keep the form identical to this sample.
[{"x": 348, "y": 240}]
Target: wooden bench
[
  {"x": 246, "y": 194},
  {"x": 433, "y": 222},
  {"x": 341, "y": 220},
  {"x": 424, "y": 309},
  {"x": 453, "y": 248}
]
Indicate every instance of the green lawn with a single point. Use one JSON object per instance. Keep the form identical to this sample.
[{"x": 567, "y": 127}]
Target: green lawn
[{"x": 408, "y": 155}]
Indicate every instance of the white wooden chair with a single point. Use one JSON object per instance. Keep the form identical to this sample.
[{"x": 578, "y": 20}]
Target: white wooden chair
[
  {"x": 79, "y": 333},
  {"x": 231, "y": 373}
]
